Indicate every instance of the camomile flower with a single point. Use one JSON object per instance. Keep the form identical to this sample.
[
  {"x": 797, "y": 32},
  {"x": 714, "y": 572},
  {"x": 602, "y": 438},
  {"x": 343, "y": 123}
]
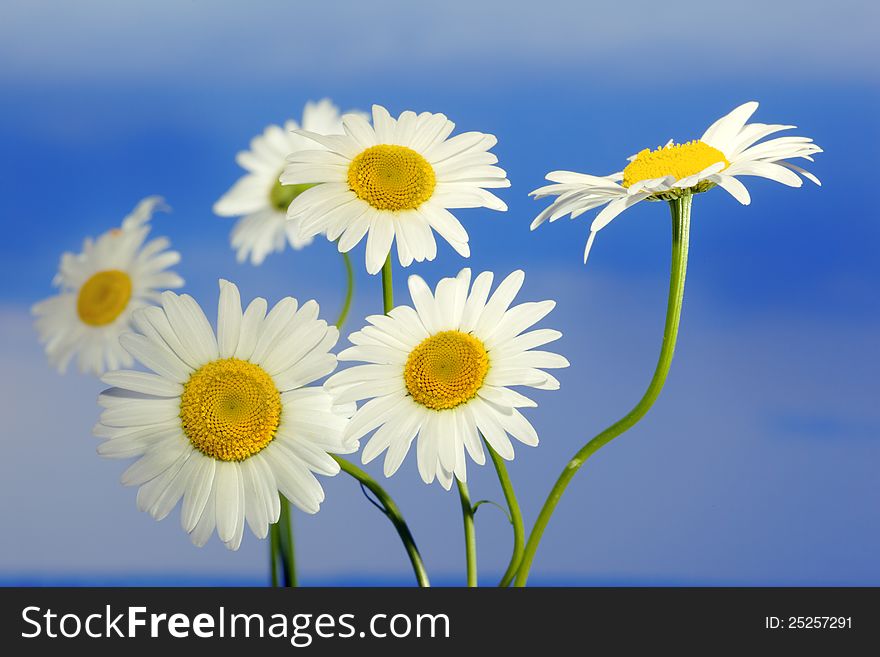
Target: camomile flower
[
  {"x": 443, "y": 372},
  {"x": 396, "y": 179},
  {"x": 260, "y": 198},
  {"x": 729, "y": 148},
  {"x": 100, "y": 288},
  {"x": 225, "y": 422}
]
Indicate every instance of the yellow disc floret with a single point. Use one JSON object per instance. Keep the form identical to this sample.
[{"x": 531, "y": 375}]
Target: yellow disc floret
[
  {"x": 677, "y": 160},
  {"x": 391, "y": 177},
  {"x": 103, "y": 297},
  {"x": 230, "y": 409},
  {"x": 446, "y": 370}
]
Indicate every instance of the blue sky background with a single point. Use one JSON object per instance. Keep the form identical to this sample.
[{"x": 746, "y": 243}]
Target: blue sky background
[{"x": 759, "y": 463}]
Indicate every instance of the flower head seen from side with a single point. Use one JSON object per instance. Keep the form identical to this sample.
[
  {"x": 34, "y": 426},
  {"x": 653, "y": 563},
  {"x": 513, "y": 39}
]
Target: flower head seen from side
[
  {"x": 394, "y": 180},
  {"x": 100, "y": 288},
  {"x": 729, "y": 148},
  {"x": 259, "y": 198},
  {"x": 442, "y": 373},
  {"x": 225, "y": 422}
]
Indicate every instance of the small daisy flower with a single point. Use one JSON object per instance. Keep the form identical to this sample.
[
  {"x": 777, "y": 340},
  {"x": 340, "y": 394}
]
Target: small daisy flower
[
  {"x": 100, "y": 288},
  {"x": 396, "y": 179},
  {"x": 728, "y": 149},
  {"x": 225, "y": 422},
  {"x": 260, "y": 198},
  {"x": 443, "y": 372}
]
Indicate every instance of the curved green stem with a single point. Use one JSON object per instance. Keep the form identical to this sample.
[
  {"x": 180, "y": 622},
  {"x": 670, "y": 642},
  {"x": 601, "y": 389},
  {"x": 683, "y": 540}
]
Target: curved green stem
[
  {"x": 285, "y": 535},
  {"x": 681, "y": 215},
  {"x": 519, "y": 533},
  {"x": 470, "y": 534},
  {"x": 387, "y": 288},
  {"x": 274, "y": 549},
  {"x": 349, "y": 291},
  {"x": 393, "y": 514}
]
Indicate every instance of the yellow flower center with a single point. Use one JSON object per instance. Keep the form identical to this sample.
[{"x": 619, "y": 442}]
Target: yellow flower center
[
  {"x": 446, "y": 370},
  {"x": 230, "y": 409},
  {"x": 678, "y": 160},
  {"x": 281, "y": 196},
  {"x": 391, "y": 177},
  {"x": 103, "y": 297}
]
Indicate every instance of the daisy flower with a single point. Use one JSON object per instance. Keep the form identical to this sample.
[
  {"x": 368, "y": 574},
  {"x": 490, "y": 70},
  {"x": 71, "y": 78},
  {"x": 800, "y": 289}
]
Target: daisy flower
[
  {"x": 729, "y": 148},
  {"x": 100, "y": 288},
  {"x": 260, "y": 198},
  {"x": 225, "y": 422},
  {"x": 395, "y": 179},
  {"x": 442, "y": 372}
]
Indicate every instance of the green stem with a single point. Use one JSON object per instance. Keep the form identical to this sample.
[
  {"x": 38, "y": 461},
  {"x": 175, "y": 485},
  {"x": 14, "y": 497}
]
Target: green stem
[
  {"x": 349, "y": 291},
  {"x": 387, "y": 288},
  {"x": 519, "y": 533},
  {"x": 470, "y": 534},
  {"x": 285, "y": 533},
  {"x": 681, "y": 215},
  {"x": 274, "y": 549},
  {"x": 393, "y": 513},
  {"x": 389, "y": 508}
]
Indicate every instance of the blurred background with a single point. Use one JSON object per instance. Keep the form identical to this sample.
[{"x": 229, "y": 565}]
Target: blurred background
[{"x": 758, "y": 465}]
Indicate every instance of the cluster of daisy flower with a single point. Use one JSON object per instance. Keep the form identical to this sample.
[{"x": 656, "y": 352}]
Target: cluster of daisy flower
[{"x": 223, "y": 419}]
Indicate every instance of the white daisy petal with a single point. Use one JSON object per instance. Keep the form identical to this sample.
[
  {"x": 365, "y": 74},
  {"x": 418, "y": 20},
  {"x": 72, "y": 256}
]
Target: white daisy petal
[
  {"x": 256, "y": 506},
  {"x": 101, "y": 289},
  {"x": 227, "y": 436},
  {"x": 394, "y": 180},
  {"x": 190, "y": 325},
  {"x": 251, "y": 322},
  {"x": 207, "y": 522},
  {"x": 729, "y": 148},
  {"x": 424, "y": 302},
  {"x": 379, "y": 238},
  {"x": 176, "y": 487},
  {"x": 476, "y": 301},
  {"x": 152, "y": 322},
  {"x": 196, "y": 497},
  {"x": 403, "y": 429},
  {"x": 397, "y": 451},
  {"x": 768, "y": 170},
  {"x": 489, "y": 424},
  {"x": 467, "y": 429},
  {"x": 294, "y": 480},
  {"x": 505, "y": 397},
  {"x": 806, "y": 174},
  {"x": 144, "y": 382},
  {"x": 725, "y": 129},
  {"x": 448, "y": 440},
  {"x": 154, "y": 462},
  {"x": 383, "y": 124},
  {"x": 518, "y": 319},
  {"x": 259, "y": 196},
  {"x": 519, "y": 427},
  {"x": 247, "y": 195},
  {"x": 357, "y": 127},
  {"x": 733, "y": 186},
  {"x": 229, "y": 498},
  {"x": 427, "y": 448},
  {"x": 500, "y": 301},
  {"x": 161, "y": 360},
  {"x": 441, "y": 371},
  {"x": 273, "y": 327},
  {"x": 372, "y": 414},
  {"x": 228, "y": 319}
]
